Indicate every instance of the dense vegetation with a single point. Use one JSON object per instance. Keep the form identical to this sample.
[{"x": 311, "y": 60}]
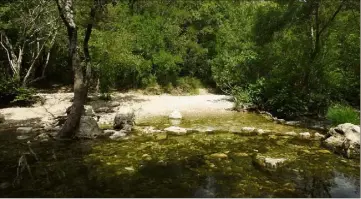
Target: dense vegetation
[{"x": 293, "y": 58}]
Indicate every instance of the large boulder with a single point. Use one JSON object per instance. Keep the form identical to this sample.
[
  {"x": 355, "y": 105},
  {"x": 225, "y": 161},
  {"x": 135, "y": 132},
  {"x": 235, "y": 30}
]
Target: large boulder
[
  {"x": 88, "y": 128},
  {"x": 344, "y": 139},
  {"x": 124, "y": 121}
]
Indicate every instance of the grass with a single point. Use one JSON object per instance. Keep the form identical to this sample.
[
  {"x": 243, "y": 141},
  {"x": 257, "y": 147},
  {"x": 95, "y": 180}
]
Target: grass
[{"x": 339, "y": 114}]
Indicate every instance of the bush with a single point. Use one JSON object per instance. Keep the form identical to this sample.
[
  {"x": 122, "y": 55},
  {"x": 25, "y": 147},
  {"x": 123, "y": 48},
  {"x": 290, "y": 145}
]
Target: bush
[
  {"x": 240, "y": 96},
  {"x": 189, "y": 85},
  {"x": 339, "y": 114},
  {"x": 11, "y": 93}
]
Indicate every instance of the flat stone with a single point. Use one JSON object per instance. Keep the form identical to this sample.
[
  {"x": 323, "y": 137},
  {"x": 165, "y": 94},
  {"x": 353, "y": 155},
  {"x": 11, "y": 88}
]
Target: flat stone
[
  {"x": 176, "y": 130},
  {"x": 260, "y": 131},
  {"x": 324, "y": 151},
  {"x": 175, "y": 115},
  {"x": 268, "y": 163},
  {"x": 293, "y": 123},
  {"x": 104, "y": 110},
  {"x": 241, "y": 154},
  {"x": 319, "y": 136},
  {"x": 114, "y": 104},
  {"x": 248, "y": 129},
  {"x": 109, "y": 132},
  {"x": 129, "y": 168},
  {"x": 118, "y": 135},
  {"x": 219, "y": 155},
  {"x": 291, "y": 133},
  {"x": 280, "y": 121},
  {"x": 23, "y": 137},
  {"x": 24, "y": 130},
  {"x": 305, "y": 135}
]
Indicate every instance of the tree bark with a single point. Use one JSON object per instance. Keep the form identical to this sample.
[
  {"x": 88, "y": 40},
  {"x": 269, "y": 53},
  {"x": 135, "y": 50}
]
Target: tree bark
[
  {"x": 81, "y": 79},
  {"x": 67, "y": 15}
]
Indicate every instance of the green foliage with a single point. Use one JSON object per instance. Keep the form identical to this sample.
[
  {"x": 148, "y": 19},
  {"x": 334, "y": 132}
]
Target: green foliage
[
  {"x": 339, "y": 114},
  {"x": 270, "y": 53},
  {"x": 11, "y": 94},
  {"x": 189, "y": 85}
]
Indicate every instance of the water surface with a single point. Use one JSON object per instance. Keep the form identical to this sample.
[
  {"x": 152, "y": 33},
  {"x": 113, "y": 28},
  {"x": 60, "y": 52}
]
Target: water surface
[{"x": 177, "y": 166}]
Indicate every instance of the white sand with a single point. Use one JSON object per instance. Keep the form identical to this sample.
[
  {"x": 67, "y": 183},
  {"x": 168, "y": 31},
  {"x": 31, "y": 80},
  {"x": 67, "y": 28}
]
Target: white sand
[{"x": 144, "y": 106}]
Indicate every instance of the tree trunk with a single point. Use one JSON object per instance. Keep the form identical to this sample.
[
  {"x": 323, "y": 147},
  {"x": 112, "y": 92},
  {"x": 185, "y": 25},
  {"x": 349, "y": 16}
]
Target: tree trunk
[
  {"x": 81, "y": 80},
  {"x": 67, "y": 15}
]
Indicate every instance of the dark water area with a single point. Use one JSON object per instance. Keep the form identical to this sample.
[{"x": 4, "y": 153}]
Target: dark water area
[{"x": 219, "y": 164}]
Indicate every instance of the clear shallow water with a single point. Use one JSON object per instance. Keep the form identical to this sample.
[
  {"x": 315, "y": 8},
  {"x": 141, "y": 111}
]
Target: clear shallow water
[{"x": 178, "y": 166}]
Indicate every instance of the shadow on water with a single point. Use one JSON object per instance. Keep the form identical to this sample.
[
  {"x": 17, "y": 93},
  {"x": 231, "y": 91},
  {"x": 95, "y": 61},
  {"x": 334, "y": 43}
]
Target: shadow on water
[{"x": 176, "y": 167}]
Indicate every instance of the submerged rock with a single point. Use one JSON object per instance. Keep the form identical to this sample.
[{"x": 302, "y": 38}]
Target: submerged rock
[
  {"x": 175, "y": 115},
  {"x": 176, "y": 130},
  {"x": 88, "y": 128},
  {"x": 268, "y": 163},
  {"x": 24, "y": 130},
  {"x": 344, "y": 139}
]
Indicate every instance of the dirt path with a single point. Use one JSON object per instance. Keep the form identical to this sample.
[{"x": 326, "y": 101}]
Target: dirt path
[{"x": 144, "y": 106}]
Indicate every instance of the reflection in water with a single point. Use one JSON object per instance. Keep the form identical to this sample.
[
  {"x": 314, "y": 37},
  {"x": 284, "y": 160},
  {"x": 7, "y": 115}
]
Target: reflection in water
[
  {"x": 345, "y": 187},
  {"x": 199, "y": 165},
  {"x": 207, "y": 190}
]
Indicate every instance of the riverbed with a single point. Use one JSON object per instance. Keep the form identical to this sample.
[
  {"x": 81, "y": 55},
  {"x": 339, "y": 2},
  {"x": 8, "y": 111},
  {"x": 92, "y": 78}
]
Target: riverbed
[{"x": 217, "y": 163}]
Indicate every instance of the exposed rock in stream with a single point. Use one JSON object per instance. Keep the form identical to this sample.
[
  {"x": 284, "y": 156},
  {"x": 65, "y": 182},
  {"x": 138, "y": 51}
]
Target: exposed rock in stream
[
  {"x": 124, "y": 120},
  {"x": 24, "y": 130},
  {"x": 175, "y": 130},
  {"x": 344, "y": 139},
  {"x": 305, "y": 135},
  {"x": 118, "y": 135},
  {"x": 268, "y": 163}
]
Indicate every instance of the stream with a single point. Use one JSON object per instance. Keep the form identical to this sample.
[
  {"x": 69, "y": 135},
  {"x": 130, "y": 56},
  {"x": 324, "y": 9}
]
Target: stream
[{"x": 203, "y": 164}]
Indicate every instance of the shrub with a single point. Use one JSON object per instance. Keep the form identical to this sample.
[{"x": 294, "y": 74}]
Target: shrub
[
  {"x": 11, "y": 93},
  {"x": 339, "y": 114},
  {"x": 240, "y": 96},
  {"x": 189, "y": 85}
]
